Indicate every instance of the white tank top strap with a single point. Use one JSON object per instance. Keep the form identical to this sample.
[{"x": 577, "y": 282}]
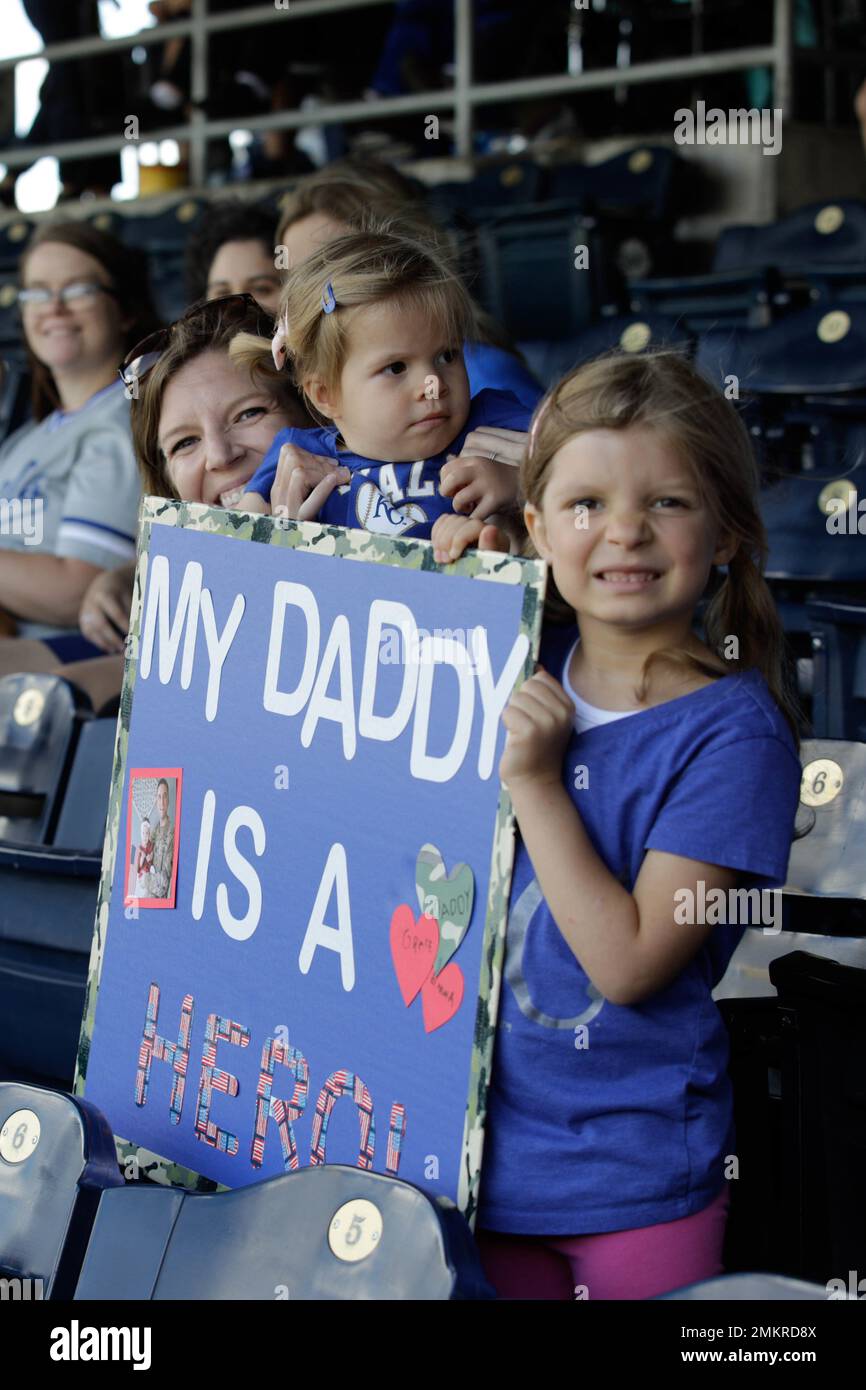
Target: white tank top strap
[{"x": 588, "y": 716}]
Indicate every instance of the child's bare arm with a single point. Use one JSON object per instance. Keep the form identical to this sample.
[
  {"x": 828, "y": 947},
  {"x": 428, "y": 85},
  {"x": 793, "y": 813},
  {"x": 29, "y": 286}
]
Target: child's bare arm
[{"x": 629, "y": 944}]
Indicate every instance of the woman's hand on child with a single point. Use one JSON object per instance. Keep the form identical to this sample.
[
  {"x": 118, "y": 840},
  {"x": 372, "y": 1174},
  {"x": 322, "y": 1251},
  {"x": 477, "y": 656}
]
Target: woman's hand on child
[
  {"x": 104, "y": 613},
  {"x": 509, "y": 446},
  {"x": 478, "y": 483},
  {"x": 539, "y": 718},
  {"x": 451, "y": 535}
]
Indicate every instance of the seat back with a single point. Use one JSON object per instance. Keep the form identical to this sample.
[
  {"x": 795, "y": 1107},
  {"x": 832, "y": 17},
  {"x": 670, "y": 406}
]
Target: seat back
[
  {"x": 550, "y": 360},
  {"x": 820, "y": 233},
  {"x": 823, "y": 1009},
  {"x": 324, "y": 1233},
  {"x": 40, "y": 718},
  {"x": 56, "y": 1155}
]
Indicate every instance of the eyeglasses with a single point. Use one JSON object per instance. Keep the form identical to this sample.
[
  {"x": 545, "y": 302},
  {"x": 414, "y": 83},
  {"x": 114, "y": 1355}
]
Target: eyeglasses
[
  {"x": 37, "y": 296},
  {"x": 231, "y": 308}
]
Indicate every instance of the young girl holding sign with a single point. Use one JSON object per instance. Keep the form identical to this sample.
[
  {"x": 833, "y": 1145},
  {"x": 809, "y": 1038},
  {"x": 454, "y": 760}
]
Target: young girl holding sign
[
  {"x": 373, "y": 324},
  {"x": 645, "y": 767}
]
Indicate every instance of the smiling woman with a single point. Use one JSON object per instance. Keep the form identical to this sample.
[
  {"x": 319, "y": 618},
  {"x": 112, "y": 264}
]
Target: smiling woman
[
  {"x": 83, "y": 299},
  {"x": 201, "y": 426}
]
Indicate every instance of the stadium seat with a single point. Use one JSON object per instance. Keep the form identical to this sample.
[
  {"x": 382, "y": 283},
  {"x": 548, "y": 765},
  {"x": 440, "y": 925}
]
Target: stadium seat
[
  {"x": 774, "y": 1052},
  {"x": 57, "y": 1155},
  {"x": 821, "y": 1005},
  {"x": 639, "y": 183},
  {"x": 55, "y": 769},
  {"x": 819, "y": 234},
  {"x": 735, "y": 299},
  {"x": 529, "y": 279},
  {"x": 550, "y": 360},
  {"x": 40, "y": 720},
  {"x": 14, "y": 391},
  {"x": 505, "y": 185},
  {"x": 165, "y": 230},
  {"x": 14, "y": 236},
  {"x": 324, "y": 1233},
  {"x": 761, "y": 273},
  {"x": 163, "y": 236},
  {"x": 814, "y": 350}
]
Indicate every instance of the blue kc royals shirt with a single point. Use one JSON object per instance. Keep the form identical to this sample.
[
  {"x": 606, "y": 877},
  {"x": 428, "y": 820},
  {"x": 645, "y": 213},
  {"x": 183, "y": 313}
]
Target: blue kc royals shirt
[
  {"x": 390, "y": 499},
  {"x": 606, "y": 1117}
]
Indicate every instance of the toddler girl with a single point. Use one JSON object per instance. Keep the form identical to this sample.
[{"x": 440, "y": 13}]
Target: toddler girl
[
  {"x": 144, "y": 862},
  {"x": 646, "y": 766},
  {"x": 373, "y": 324}
]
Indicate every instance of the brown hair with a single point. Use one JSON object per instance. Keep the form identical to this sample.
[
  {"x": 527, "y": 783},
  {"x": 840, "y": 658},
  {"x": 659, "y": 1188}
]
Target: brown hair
[
  {"x": 128, "y": 275},
  {"x": 348, "y": 190},
  {"x": 662, "y": 391},
  {"x": 209, "y": 329},
  {"x": 363, "y": 268},
  {"x": 366, "y": 192}
]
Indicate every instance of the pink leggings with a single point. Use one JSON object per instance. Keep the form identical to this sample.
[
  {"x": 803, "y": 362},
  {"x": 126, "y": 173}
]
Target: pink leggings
[{"x": 619, "y": 1264}]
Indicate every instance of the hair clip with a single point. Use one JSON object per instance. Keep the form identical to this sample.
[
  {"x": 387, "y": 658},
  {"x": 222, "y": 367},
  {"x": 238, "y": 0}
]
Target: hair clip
[
  {"x": 278, "y": 346},
  {"x": 329, "y": 302}
]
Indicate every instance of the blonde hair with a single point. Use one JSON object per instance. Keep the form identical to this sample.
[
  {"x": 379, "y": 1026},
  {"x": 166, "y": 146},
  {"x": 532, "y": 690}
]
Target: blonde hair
[
  {"x": 662, "y": 391},
  {"x": 363, "y": 268}
]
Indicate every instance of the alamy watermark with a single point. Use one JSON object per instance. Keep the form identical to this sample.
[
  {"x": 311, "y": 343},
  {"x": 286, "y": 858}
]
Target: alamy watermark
[
  {"x": 22, "y": 1290},
  {"x": 737, "y": 126},
  {"x": 455, "y": 646},
  {"x": 22, "y": 517},
  {"x": 744, "y": 907}
]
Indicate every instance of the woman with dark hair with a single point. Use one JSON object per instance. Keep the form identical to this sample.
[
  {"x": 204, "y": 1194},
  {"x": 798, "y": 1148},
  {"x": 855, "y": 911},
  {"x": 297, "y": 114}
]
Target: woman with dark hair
[
  {"x": 68, "y": 478},
  {"x": 233, "y": 253},
  {"x": 201, "y": 425}
]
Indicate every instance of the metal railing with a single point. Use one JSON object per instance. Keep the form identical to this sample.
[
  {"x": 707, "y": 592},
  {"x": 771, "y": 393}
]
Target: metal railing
[{"x": 462, "y": 99}]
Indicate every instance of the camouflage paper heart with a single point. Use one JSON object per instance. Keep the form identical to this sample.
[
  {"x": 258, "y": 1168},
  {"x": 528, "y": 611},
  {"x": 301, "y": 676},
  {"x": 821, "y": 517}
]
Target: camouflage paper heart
[{"x": 447, "y": 897}]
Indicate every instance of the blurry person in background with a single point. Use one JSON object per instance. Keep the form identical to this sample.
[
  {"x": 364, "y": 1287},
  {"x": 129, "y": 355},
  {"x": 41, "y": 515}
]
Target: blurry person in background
[
  {"x": 79, "y": 98},
  {"x": 84, "y": 300},
  {"x": 233, "y": 253}
]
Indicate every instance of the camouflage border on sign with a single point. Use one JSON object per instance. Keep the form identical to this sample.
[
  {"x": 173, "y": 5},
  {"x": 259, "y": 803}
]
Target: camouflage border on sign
[{"x": 344, "y": 544}]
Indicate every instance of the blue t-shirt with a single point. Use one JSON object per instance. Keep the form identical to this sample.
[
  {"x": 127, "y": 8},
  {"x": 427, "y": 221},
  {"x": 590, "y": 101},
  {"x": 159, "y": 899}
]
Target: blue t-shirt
[
  {"x": 492, "y": 368},
  {"x": 389, "y": 499},
  {"x": 628, "y": 1123}
]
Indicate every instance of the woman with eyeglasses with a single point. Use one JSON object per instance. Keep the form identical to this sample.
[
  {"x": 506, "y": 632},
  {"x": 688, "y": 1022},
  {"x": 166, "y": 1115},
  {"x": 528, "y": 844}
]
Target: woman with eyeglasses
[
  {"x": 68, "y": 478},
  {"x": 201, "y": 426}
]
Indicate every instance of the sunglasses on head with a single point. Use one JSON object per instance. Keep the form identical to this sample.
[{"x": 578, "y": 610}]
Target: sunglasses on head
[{"x": 230, "y": 308}]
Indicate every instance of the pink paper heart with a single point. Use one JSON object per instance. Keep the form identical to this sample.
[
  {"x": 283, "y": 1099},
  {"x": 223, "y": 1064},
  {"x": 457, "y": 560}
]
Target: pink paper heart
[
  {"x": 441, "y": 996},
  {"x": 413, "y": 949}
]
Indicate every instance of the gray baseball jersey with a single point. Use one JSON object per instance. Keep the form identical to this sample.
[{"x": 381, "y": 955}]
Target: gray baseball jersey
[{"x": 69, "y": 486}]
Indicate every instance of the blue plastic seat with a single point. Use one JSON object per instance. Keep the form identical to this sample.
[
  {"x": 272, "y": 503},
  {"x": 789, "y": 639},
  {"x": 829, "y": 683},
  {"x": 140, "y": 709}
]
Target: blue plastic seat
[
  {"x": 55, "y": 769},
  {"x": 14, "y": 236},
  {"x": 815, "y": 350},
  {"x": 40, "y": 720},
  {"x": 298, "y": 1236},
  {"x": 551, "y": 359},
  {"x": 818, "y": 234},
  {"x": 638, "y": 183},
  {"x": 57, "y": 1155},
  {"x": 528, "y": 279}
]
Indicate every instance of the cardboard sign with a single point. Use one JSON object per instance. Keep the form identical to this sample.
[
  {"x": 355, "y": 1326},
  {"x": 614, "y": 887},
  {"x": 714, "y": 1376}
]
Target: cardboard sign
[{"x": 324, "y": 986}]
